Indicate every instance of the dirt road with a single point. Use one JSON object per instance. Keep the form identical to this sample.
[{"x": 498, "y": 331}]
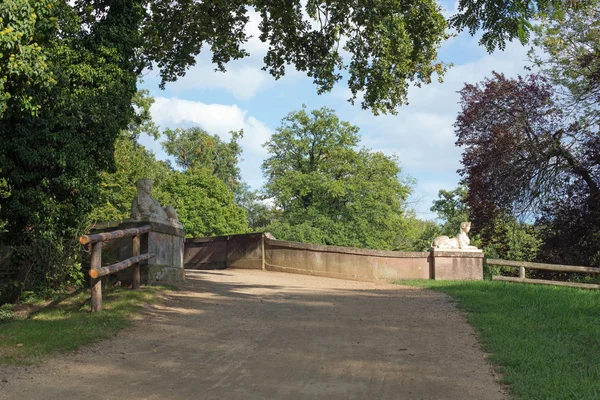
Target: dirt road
[{"x": 238, "y": 334}]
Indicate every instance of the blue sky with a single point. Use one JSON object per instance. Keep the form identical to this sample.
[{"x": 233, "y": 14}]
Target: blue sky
[{"x": 244, "y": 97}]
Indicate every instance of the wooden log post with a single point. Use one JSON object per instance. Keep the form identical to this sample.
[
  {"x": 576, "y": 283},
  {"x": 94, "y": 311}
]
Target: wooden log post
[
  {"x": 135, "y": 269},
  {"x": 121, "y": 265},
  {"x": 545, "y": 267},
  {"x": 522, "y": 272},
  {"x": 546, "y": 282},
  {"x": 96, "y": 283},
  {"x": 106, "y": 236}
]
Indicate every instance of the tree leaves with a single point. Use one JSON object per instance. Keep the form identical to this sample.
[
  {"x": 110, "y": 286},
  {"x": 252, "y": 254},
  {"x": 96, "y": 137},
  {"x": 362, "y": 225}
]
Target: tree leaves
[{"x": 330, "y": 192}]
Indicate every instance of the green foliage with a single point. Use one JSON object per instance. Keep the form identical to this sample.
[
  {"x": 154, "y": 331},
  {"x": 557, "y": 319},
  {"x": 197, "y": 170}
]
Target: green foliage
[
  {"x": 504, "y": 21},
  {"x": 132, "y": 162},
  {"x": 6, "y": 313},
  {"x": 117, "y": 189},
  {"x": 258, "y": 213},
  {"x": 504, "y": 236},
  {"x": 452, "y": 208},
  {"x": 26, "y": 29},
  {"x": 417, "y": 234},
  {"x": 196, "y": 148},
  {"x": 50, "y": 158},
  {"x": 567, "y": 49},
  {"x": 204, "y": 203},
  {"x": 543, "y": 339},
  {"x": 4, "y": 193},
  {"x": 329, "y": 192},
  {"x": 389, "y": 43}
]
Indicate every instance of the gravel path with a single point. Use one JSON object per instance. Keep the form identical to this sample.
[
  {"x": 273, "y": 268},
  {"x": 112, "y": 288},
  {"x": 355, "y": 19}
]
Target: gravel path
[{"x": 239, "y": 334}]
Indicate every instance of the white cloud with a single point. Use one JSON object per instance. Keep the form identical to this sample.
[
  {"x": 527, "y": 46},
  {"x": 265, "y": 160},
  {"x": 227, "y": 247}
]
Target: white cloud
[
  {"x": 242, "y": 79},
  {"x": 217, "y": 119}
]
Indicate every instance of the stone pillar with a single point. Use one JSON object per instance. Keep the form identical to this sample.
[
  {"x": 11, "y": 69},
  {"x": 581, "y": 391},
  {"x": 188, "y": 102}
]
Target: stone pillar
[
  {"x": 166, "y": 241},
  {"x": 458, "y": 265}
]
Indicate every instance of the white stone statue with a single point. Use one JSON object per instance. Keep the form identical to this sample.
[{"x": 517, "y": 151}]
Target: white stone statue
[
  {"x": 144, "y": 206},
  {"x": 459, "y": 242}
]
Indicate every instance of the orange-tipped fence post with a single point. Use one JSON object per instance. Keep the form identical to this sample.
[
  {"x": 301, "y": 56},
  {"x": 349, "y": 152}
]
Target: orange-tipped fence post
[
  {"x": 136, "y": 267},
  {"x": 96, "y": 283}
]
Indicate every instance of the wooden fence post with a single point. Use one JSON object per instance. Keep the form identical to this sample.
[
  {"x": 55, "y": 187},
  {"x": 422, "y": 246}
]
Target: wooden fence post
[
  {"x": 136, "y": 267},
  {"x": 96, "y": 283},
  {"x": 522, "y": 272}
]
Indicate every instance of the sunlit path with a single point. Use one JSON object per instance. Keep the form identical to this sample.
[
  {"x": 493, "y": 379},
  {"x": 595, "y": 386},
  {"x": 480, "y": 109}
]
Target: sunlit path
[{"x": 238, "y": 334}]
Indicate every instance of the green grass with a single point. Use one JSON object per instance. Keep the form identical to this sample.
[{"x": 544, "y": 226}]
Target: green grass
[
  {"x": 69, "y": 324},
  {"x": 544, "y": 340}
]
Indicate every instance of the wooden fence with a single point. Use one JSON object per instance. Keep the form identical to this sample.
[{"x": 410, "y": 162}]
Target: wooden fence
[
  {"x": 522, "y": 265},
  {"x": 96, "y": 269}
]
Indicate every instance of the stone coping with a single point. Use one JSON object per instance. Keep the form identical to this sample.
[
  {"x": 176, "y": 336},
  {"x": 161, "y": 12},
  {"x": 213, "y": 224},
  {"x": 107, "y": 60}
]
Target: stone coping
[
  {"x": 157, "y": 225},
  {"x": 348, "y": 250},
  {"x": 209, "y": 239},
  {"x": 458, "y": 253}
]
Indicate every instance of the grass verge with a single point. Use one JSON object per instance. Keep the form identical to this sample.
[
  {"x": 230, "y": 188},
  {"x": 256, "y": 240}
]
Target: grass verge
[
  {"x": 69, "y": 324},
  {"x": 544, "y": 340}
]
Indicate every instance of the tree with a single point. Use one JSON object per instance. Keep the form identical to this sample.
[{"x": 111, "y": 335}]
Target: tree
[
  {"x": 259, "y": 214},
  {"x": 204, "y": 203},
  {"x": 132, "y": 162},
  {"x": 54, "y": 140},
  {"x": 503, "y": 236},
  {"x": 328, "y": 191},
  {"x": 567, "y": 50},
  {"x": 116, "y": 190},
  {"x": 26, "y": 29},
  {"x": 503, "y": 21},
  {"x": 196, "y": 148},
  {"x": 523, "y": 156},
  {"x": 417, "y": 234},
  {"x": 452, "y": 208}
]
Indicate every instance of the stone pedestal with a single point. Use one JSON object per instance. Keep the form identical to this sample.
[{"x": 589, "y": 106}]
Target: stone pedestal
[
  {"x": 458, "y": 265},
  {"x": 166, "y": 241}
]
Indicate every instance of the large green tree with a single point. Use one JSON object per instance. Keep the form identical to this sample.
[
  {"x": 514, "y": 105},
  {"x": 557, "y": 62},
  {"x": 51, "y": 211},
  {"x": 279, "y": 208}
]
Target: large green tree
[
  {"x": 54, "y": 131},
  {"x": 204, "y": 203},
  {"x": 196, "y": 148},
  {"x": 329, "y": 191}
]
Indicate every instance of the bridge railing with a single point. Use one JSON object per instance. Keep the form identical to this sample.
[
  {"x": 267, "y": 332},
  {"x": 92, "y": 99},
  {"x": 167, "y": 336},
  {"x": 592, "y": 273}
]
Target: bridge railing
[
  {"x": 97, "y": 271},
  {"x": 522, "y": 265}
]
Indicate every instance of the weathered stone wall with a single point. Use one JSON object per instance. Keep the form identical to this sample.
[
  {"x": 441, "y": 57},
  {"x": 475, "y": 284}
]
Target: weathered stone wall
[
  {"x": 345, "y": 262},
  {"x": 220, "y": 252},
  {"x": 256, "y": 251},
  {"x": 457, "y": 265},
  {"x": 205, "y": 253}
]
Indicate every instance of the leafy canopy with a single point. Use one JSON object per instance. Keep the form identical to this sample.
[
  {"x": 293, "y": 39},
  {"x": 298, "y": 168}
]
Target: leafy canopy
[
  {"x": 567, "y": 50},
  {"x": 329, "y": 191},
  {"x": 503, "y": 21},
  {"x": 523, "y": 155},
  {"x": 196, "y": 148},
  {"x": 204, "y": 203}
]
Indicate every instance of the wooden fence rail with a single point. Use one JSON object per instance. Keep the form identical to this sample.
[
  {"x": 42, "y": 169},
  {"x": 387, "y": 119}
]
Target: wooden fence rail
[
  {"x": 522, "y": 265},
  {"x": 96, "y": 269}
]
